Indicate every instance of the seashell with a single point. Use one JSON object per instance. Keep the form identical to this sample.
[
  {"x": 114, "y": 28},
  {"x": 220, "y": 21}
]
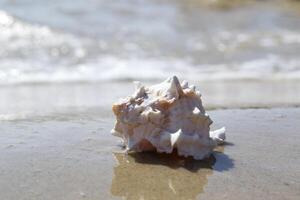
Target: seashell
[{"x": 165, "y": 117}]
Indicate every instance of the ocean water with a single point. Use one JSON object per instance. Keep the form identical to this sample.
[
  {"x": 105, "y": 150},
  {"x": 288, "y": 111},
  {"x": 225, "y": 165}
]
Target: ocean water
[
  {"x": 66, "y": 56},
  {"x": 102, "y": 40}
]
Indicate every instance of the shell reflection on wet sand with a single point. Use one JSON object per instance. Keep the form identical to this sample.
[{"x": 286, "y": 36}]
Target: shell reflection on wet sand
[{"x": 151, "y": 176}]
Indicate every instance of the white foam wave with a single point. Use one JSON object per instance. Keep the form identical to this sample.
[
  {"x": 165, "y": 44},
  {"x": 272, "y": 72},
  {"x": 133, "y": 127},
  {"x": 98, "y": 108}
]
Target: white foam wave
[
  {"x": 114, "y": 69},
  {"x": 15, "y": 116},
  {"x": 33, "y": 53},
  {"x": 31, "y": 42},
  {"x": 234, "y": 39}
]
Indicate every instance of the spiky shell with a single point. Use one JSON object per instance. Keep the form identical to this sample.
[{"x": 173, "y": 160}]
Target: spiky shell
[{"x": 166, "y": 116}]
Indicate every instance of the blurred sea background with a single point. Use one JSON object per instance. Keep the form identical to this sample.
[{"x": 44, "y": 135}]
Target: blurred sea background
[{"x": 76, "y": 56}]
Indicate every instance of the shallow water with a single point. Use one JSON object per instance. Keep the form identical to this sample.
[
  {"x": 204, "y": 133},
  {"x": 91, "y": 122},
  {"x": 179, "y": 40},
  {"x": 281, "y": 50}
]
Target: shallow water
[
  {"x": 239, "y": 55},
  {"x": 120, "y": 40}
]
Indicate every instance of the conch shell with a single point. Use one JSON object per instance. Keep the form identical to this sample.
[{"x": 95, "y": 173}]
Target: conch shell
[{"x": 165, "y": 117}]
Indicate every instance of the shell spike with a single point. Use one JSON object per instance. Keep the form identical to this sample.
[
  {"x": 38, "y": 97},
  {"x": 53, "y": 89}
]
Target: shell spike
[
  {"x": 175, "y": 86},
  {"x": 218, "y": 135}
]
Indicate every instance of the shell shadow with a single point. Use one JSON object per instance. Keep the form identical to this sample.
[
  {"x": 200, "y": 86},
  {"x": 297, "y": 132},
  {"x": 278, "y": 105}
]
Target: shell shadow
[
  {"x": 173, "y": 160},
  {"x": 218, "y": 161},
  {"x": 223, "y": 162}
]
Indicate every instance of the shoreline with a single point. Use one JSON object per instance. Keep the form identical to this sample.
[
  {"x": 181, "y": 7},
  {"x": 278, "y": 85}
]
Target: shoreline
[
  {"x": 31, "y": 101},
  {"x": 90, "y": 113}
]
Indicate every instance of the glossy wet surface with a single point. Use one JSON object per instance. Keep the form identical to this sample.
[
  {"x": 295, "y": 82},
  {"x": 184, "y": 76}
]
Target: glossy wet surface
[
  {"x": 163, "y": 176},
  {"x": 76, "y": 158}
]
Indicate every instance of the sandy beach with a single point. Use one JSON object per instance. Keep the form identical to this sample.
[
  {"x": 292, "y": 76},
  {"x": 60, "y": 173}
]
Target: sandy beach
[
  {"x": 64, "y": 63},
  {"x": 75, "y": 157}
]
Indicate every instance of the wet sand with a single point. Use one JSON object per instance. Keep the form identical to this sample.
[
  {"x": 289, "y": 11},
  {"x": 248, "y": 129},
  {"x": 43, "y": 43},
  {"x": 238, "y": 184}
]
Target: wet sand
[{"x": 75, "y": 157}]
